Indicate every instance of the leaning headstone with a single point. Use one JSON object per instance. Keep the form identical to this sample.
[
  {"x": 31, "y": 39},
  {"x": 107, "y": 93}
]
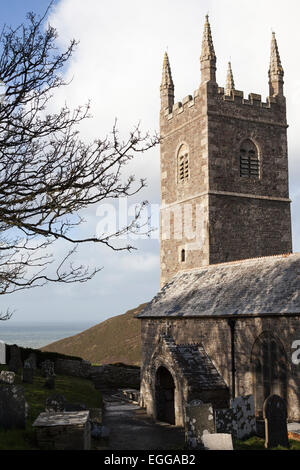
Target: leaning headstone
[
  {"x": 55, "y": 403},
  {"x": 217, "y": 441},
  {"x": 13, "y": 407},
  {"x": 15, "y": 362},
  {"x": 47, "y": 368},
  {"x": 8, "y": 377},
  {"x": 2, "y": 352},
  {"x": 244, "y": 421},
  {"x": 199, "y": 421},
  {"x": 275, "y": 416}
]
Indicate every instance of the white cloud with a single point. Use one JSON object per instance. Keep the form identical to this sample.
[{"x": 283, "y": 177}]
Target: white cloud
[{"x": 118, "y": 65}]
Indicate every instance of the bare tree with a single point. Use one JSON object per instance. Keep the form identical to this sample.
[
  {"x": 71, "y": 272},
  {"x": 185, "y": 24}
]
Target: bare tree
[{"x": 47, "y": 173}]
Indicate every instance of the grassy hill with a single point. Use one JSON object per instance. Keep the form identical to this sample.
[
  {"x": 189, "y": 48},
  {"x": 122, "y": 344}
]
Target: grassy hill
[{"x": 114, "y": 340}]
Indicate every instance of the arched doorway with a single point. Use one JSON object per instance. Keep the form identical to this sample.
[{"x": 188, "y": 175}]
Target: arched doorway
[
  {"x": 269, "y": 362},
  {"x": 164, "y": 396}
]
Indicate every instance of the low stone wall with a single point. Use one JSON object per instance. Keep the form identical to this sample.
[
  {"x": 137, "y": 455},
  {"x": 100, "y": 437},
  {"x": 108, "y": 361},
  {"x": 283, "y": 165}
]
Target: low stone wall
[
  {"x": 110, "y": 376},
  {"x": 73, "y": 368}
]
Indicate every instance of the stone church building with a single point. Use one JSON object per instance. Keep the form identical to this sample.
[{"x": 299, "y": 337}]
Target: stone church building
[{"x": 228, "y": 313}]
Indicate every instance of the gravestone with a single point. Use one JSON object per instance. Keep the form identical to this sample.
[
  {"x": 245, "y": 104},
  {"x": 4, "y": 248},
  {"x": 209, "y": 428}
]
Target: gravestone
[
  {"x": 244, "y": 421},
  {"x": 13, "y": 408},
  {"x": 8, "y": 377},
  {"x": 217, "y": 441},
  {"x": 199, "y": 420},
  {"x": 275, "y": 416},
  {"x": 224, "y": 419},
  {"x": 55, "y": 403},
  {"x": 32, "y": 360},
  {"x": 47, "y": 368},
  {"x": 2, "y": 352},
  {"x": 15, "y": 362},
  {"x": 28, "y": 374}
]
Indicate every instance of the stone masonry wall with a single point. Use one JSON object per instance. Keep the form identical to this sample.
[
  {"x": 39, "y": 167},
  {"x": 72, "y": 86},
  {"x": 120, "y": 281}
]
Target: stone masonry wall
[
  {"x": 214, "y": 334},
  {"x": 240, "y": 217}
]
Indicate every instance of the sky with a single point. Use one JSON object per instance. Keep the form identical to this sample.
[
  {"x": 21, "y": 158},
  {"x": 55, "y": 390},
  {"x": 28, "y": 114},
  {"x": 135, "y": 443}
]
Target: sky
[{"x": 118, "y": 65}]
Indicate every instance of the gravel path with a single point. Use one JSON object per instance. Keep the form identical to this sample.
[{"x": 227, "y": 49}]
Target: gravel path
[{"x": 131, "y": 429}]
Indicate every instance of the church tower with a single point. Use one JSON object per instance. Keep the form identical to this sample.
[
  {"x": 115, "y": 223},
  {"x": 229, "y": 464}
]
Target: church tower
[{"x": 224, "y": 169}]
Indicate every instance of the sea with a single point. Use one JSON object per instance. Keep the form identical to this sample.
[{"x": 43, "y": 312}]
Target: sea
[{"x": 36, "y": 335}]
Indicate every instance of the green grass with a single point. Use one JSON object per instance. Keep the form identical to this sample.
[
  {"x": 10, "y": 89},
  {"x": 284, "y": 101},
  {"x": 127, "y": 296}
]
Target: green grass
[
  {"x": 257, "y": 443},
  {"x": 76, "y": 390}
]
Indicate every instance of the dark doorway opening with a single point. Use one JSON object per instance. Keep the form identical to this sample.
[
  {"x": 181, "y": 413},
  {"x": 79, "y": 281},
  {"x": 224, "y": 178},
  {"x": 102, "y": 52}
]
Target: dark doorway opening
[{"x": 164, "y": 391}]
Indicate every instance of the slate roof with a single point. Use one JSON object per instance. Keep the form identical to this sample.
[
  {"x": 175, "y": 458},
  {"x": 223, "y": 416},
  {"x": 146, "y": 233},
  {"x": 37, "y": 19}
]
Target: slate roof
[
  {"x": 195, "y": 365},
  {"x": 259, "y": 286}
]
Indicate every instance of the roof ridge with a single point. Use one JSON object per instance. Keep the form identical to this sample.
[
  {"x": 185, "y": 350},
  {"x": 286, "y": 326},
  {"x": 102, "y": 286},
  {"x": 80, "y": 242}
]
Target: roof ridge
[{"x": 240, "y": 261}]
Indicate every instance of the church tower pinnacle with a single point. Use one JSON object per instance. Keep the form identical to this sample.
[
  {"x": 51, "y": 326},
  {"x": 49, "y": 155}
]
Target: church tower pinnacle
[
  {"x": 229, "y": 82},
  {"x": 276, "y": 72},
  {"x": 208, "y": 57},
  {"x": 167, "y": 86}
]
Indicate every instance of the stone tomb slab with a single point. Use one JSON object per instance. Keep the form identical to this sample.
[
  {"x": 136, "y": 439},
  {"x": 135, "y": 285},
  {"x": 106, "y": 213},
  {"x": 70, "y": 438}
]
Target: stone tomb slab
[
  {"x": 217, "y": 441},
  {"x": 199, "y": 421},
  {"x": 63, "y": 431}
]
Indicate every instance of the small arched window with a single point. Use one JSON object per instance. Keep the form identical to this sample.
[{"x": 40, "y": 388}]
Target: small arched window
[
  {"x": 183, "y": 256},
  {"x": 183, "y": 170},
  {"x": 269, "y": 365},
  {"x": 249, "y": 161}
]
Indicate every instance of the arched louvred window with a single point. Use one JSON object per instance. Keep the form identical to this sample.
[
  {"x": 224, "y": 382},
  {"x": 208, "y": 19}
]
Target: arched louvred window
[
  {"x": 269, "y": 366},
  {"x": 183, "y": 171},
  {"x": 249, "y": 161}
]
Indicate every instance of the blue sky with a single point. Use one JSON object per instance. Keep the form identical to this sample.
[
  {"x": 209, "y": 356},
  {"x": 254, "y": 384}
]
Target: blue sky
[{"x": 118, "y": 66}]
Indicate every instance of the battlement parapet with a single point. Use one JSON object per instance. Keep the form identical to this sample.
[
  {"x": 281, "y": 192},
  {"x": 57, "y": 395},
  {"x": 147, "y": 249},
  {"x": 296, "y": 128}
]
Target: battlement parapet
[{"x": 235, "y": 97}]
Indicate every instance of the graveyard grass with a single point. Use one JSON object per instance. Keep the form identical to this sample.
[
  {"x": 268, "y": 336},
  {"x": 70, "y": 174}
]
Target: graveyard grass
[
  {"x": 76, "y": 390},
  {"x": 257, "y": 443}
]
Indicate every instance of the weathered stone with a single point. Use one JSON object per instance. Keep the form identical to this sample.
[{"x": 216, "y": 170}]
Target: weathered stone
[
  {"x": 7, "y": 376},
  {"x": 47, "y": 368},
  {"x": 275, "y": 415},
  {"x": 63, "y": 431},
  {"x": 15, "y": 362},
  {"x": 199, "y": 420},
  {"x": 28, "y": 375},
  {"x": 217, "y": 441},
  {"x": 13, "y": 408},
  {"x": 224, "y": 420},
  {"x": 244, "y": 422},
  {"x": 56, "y": 403}
]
